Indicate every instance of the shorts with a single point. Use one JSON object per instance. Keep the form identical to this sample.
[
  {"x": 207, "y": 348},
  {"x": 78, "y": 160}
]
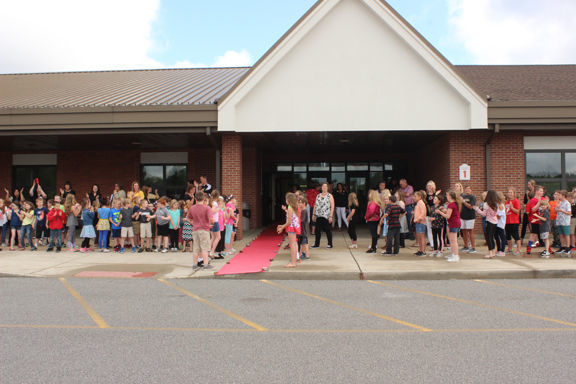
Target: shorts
[
  {"x": 146, "y": 230},
  {"x": 468, "y": 224},
  {"x": 215, "y": 227},
  {"x": 163, "y": 229},
  {"x": 228, "y": 234},
  {"x": 41, "y": 231},
  {"x": 512, "y": 232},
  {"x": 564, "y": 230},
  {"x": 420, "y": 228},
  {"x": 302, "y": 240},
  {"x": 136, "y": 228},
  {"x": 116, "y": 233},
  {"x": 454, "y": 230},
  {"x": 201, "y": 241},
  {"x": 535, "y": 228},
  {"x": 127, "y": 232},
  {"x": 544, "y": 235},
  {"x": 572, "y": 225}
]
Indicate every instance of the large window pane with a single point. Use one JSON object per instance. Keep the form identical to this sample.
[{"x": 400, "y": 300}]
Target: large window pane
[
  {"x": 338, "y": 177},
  {"x": 176, "y": 175},
  {"x": 338, "y": 167},
  {"x": 571, "y": 164},
  {"x": 549, "y": 186},
  {"x": 284, "y": 167},
  {"x": 152, "y": 175},
  {"x": 318, "y": 167},
  {"x": 375, "y": 179},
  {"x": 357, "y": 167},
  {"x": 300, "y": 167},
  {"x": 376, "y": 167},
  {"x": 543, "y": 165},
  {"x": 301, "y": 180},
  {"x": 571, "y": 185}
]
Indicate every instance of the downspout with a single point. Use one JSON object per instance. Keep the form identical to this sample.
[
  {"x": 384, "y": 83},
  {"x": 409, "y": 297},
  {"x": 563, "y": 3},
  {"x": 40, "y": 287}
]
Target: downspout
[{"x": 487, "y": 154}]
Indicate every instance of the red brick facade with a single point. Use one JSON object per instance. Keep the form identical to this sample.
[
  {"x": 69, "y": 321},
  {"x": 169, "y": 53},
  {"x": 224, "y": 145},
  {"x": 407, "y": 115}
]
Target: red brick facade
[
  {"x": 232, "y": 170},
  {"x": 251, "y": 185}
]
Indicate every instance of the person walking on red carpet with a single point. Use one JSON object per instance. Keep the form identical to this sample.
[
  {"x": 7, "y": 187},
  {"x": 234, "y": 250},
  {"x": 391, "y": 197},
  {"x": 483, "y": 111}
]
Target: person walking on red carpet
[{"x": 292, "y": 227}]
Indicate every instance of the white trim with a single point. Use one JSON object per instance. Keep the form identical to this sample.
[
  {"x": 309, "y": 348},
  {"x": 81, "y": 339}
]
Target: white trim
[
  {"x": 164, "y": 158},
  {"x": 35, "y": 159},
  {"x": 549, "y": 142}
]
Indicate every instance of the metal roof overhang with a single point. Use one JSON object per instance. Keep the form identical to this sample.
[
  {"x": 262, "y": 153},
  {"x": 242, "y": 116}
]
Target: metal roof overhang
[{"x": 109, "y": 120}]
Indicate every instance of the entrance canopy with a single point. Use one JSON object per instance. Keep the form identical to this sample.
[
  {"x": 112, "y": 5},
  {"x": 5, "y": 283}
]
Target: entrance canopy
[{"x": 352, "y": 65}]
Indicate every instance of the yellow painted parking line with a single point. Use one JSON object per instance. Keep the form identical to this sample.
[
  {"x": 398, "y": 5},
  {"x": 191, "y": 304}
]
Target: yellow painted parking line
[
  {"x": 215, "y": 306},
  {"x": 526, "y": 288},
  {"x": 295, "y": 331},
  {"x": 378, "y": 315},
  {"x": 93, "y": 314},
  {"x": 473, "y": 303}
]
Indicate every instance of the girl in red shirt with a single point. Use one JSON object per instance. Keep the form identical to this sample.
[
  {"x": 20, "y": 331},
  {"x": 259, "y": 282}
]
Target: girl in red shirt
[
  {"x": 452, "y": 215},
  {"x": 512, "y": 207}
]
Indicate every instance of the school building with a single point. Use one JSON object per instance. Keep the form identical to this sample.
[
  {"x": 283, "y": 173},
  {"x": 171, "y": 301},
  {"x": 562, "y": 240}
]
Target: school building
[{"x": 351, "y": 93}]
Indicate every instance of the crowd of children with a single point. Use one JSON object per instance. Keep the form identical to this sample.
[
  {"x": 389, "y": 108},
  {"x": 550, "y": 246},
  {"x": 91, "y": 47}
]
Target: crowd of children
[{"x": 128, "y": 222}]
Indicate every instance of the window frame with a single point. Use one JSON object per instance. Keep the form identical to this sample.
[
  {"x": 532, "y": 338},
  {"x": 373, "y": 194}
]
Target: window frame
[
  {"x": 564, "y": 180},
  {"x": 162, "y": 190}
]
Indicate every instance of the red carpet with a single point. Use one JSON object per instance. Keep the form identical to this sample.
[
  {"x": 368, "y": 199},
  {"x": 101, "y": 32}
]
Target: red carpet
[{"x": 256, "y": 256}]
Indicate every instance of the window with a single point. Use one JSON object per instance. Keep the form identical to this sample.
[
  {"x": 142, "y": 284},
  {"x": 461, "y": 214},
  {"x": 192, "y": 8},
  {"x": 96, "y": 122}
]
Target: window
[
  {"x": 169, "y": 179},
  {"x": 24, "y": 175},
  {"x": 552, "y": 170}
]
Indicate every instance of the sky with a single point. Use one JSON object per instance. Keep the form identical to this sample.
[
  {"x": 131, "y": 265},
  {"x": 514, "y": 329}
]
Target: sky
[{"x": 84, "y": 35}]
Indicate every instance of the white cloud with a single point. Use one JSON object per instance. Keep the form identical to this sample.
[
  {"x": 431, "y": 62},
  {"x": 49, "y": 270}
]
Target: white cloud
[
  {"x": 228, "y": 59},
  {"x": 234, "y": 59},
  {"x": 66, "y": 35},
  {"x": 516, "y": 32}
]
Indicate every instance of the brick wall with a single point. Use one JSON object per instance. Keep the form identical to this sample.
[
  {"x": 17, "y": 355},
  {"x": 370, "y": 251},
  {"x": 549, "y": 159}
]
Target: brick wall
[
  {"x": 433, "y": 164},
  {"x": 203, "y": 162},
  {"x": 507, "y": 168},
  {"x": 251, "y": 185},
  {"x": 232, "y": 170},
  {"x": 103, "y": 167}
]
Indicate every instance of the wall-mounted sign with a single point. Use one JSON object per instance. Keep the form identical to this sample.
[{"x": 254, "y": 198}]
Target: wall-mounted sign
[{"x": 464, "y": 172}]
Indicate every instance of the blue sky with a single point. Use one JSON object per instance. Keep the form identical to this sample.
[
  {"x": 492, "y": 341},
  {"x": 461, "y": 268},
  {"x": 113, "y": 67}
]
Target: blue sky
[
  {"x": 200, "y": 31},
  {"x": 80, "y": 35}
]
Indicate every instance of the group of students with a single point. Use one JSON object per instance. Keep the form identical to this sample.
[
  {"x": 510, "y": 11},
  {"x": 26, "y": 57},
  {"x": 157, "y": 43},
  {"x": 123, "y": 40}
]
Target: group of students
[
  {"x": 122, "y": 222},
  {"x": 436, "y": 219}
]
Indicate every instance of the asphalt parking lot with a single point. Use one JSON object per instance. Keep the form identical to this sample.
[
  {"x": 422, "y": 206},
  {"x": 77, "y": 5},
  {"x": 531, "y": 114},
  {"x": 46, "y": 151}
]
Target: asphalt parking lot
[{"x": 71, "y": 330}]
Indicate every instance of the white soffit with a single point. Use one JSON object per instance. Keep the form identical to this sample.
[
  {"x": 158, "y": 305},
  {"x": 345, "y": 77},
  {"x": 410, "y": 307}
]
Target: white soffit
[
  {"x": 352, "y": 65},
  {"x": 554, "y": 143}
]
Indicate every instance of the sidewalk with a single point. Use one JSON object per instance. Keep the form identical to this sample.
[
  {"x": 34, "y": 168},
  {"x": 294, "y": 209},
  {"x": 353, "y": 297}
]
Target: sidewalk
[{"x": 338, "y": 263}]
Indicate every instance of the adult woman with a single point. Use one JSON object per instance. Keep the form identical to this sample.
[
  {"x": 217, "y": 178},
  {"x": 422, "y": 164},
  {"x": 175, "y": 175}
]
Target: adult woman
[
  {"x": 452, "y": 215},
  {"x": 94, "y": 194},
  {"x": 189, "y": 194},
  {"x": 118, "y": 194},
  {"x": 322, "y": 215},
  {"x": 431, "y": 192},
  {"x": 15, "y": 197},
  {"x": 341, "y": 200},
  {"x": 372, "y": 216},
  {"x": 135, "y": 192}
]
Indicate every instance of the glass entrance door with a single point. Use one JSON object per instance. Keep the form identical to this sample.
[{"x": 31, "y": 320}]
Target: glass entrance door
[
  {"x": 358, "y": 183},
  {"x": 317, "y": 178}
]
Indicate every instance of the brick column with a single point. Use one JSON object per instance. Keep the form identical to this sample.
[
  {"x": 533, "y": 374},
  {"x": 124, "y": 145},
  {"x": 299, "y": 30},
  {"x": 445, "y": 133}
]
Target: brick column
[
  {"x": 232, "y": 170},
  {"x": 251, "y": 185}
]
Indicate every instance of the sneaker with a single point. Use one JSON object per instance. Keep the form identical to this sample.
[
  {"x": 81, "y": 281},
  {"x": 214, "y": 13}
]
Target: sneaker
[
  {"x": 545, "y": 255},
  {"x": 134, "y": 249},
  {"x": 453, "y": 259},
  {"x": 371, "y": 250},
  {"x": 106, "y": 250},
  {"x": 200, "y": 264},
  {"x": 439, "y": 254},
  {"x": 141, "y": 250},
  {"x": 122, "y": 250},
  {"x": 353, "y": 246},
  {"x": 83, "y": 250},
  {"x": 208, "y": 266},
  {"x": 314, "y": 246},
  {"x": 500, "y": 254},
  {"x": 328, "y": 247},
  {"x": 58, "y": 249},
  {"x": 420, "y": 254},
  {"x": 33, "y": 249},
  {"x": 432, "y": 254},
  {"x": 50, "y": 249},
  {"x": 471, "y": 250},
  {"x": 384, "y": 253},
  {"x": 155, "y": 250},
  {"x": 148, "y": 250},
  {"x": 164, "y": 250},
  {"x": 465, "y": 249}
]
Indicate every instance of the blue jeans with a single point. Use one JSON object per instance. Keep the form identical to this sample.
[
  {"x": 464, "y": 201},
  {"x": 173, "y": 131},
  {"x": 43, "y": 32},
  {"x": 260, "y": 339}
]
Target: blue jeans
[
  {"x": 409, "y": 209},
  {"x": 55, "y": 233},
  {"x": 26, "y": 231}
]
